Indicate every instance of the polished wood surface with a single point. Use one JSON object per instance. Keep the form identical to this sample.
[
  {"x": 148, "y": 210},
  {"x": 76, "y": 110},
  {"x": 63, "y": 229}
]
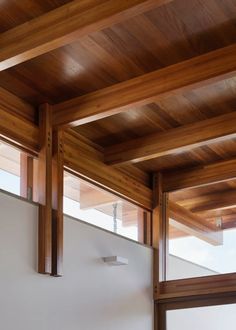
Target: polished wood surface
[
  {"x": 16, "y": 122},
  {"x": 15, "y": 105},
  {"x": 200, "y": 176},
  {"x": 26, "y": 176},
  {"x": 198, "y": 286},
  {"x": 159, "y": 231},
  {"x": 57, "y": 202},
  {"x": 135, "y": 47},
  {"x": 174, "y": 140},
  {"x": 219, "y": 200},
  {"x": 161, "y": 39},
  {"x": 130, "y": 184},
  {"x": 151, "y": 41},
  {"x": 85, "y": 160},
  {"x": 45, "y": 191},
  {"x": 184, "y": 76},
  {"x": 65, "y": 25}
]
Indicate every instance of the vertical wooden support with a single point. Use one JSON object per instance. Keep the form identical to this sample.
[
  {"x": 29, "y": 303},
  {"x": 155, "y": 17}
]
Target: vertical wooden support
[
  {"x": 57, "y": 203},
  {"x": 160, "y": 317},
  {"x": 159, "y": 232},
  {"x": 45, "y": 191},
  {"x": 50, "y": 195},
  {"x": 26, "y": 176},
  {"x": 147, "y": 228},
  {"x": 140, "y": 224}
]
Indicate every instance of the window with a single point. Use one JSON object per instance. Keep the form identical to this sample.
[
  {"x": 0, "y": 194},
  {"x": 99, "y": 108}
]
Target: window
[
  {"x": 92, "y": 204},
  {"x": 210, "y": 318},
  {"x": 202, "y": 233},
  {"x": 9, "y": 168}
]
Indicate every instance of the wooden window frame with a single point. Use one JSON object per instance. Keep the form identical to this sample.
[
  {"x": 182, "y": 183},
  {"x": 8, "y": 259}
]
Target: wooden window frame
[
  {"x": 181, "y": 293},
  {"x": 162, "y": 306}
]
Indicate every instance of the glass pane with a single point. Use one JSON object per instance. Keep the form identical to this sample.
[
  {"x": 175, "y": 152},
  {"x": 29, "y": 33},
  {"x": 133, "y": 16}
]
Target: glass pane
[
  {"x": 9, "y": 168},
  {"x": 202, "y": 233},
  {"x": 89, "y": 203},
  {"x": 206, "y": 318}
]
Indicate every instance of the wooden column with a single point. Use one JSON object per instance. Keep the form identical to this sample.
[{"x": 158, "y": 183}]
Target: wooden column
[
  {"x": 26, "y": 176},
  {"x": 159, "y": 317},
  {"x": 140, "y": 224},
  {"x": 147, "y": 224},
  {"x": 159, "y": 232},
  {"x": 50, "y": 195},
  {"x": 57, "y": 203},
  {"x": 45, "y": 191}
]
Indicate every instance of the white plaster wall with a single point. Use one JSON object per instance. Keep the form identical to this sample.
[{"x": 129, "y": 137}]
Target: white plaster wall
[{"x": 90, "y": 295}]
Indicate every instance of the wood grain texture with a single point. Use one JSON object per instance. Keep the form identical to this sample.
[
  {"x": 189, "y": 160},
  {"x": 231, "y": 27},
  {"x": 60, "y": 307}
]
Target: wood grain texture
[
  {"x": 156, "y": 39},
  {"x": 57, "y": 202},
  {"x": 200, "y": 176},
  {"x": 173, "y": 141},
  {"x": 16, "y": 122},
  {"x": 26, "y": 176},
  {"x": 198, "y": 286},
  {"x": 65, "y": 25},
  {"x": 45, "y": 191},
  {"x": 220, "y": 200},
  {"x": 82, "y": 160},
  {"x": 15, "y": 105},
  {"x": 186, "y": 221},
  {"x": 159, "y": 233},
  {"x": 189, "y": 74},
  {"x": 159, "y": 38}
]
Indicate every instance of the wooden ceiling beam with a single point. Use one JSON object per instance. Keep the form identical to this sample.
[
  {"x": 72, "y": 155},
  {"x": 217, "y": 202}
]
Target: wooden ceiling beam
[
  {"x": 192, "y": 224},
  {"x": 85, "y": 160},
  {"x": 17, "y": 122},
  {"x": 151, "y": 87},
  {"x": 80, "y": 157},
  {"x": 65, "y": 25},
  {"x": 209, "y": 202},
  {"x": 200, "y": 175},
  {"x": 174, "y": 140}
]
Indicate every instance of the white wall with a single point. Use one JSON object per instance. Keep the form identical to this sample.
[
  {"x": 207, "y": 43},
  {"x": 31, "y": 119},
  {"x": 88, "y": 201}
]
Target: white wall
[{"x": 90, "y": 295}]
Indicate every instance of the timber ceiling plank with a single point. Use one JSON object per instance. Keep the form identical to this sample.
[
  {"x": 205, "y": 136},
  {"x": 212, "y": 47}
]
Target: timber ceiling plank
[
  {"x": 172, "y": 141},
  {"x": 187, "y": 75},
  {"x": 64, "y": 25},
  {"x": 200, "y": 176}
]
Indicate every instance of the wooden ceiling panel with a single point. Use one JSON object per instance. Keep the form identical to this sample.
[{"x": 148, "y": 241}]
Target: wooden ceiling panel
[
  {"x": 166, "y": 35},
  {"x": 171, "y": 112},
  {"x": 199, "y": 156},
  {"x": 14, "y": 13},
  {"x": 161, "y": 37},
  {"x": 210, "y": 202}
]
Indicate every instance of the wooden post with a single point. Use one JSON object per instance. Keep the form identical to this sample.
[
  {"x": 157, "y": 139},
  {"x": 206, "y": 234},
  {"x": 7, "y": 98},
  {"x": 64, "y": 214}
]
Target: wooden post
[
  {"x": 26, "y": 176},
  {"x": 45, "y": 191},
  {"x": 147, "y": 224},
  {"x": 50, "y": 195},
  {"x": 140, "y": 224},
  {"x": 159, "y": 317},
  {"x": 159, "y": 232},
  {"x": 57, "y": 203}
]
